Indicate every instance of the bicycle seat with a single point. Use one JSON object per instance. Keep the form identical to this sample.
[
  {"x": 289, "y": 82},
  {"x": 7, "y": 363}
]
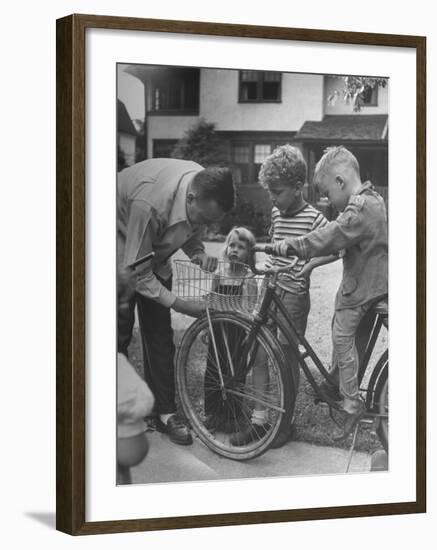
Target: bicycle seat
[{"x": 381, "y": 308}]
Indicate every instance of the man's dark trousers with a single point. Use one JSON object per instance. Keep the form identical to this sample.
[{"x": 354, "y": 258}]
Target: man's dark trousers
[{"x": 158, "y": 350}]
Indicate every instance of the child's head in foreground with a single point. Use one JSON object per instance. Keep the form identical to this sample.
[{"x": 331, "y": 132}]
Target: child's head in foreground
[
  {"x": 239, "y": 245},
  {"x": 337, "y": 176},
  {"x": 284, "y": 174}
]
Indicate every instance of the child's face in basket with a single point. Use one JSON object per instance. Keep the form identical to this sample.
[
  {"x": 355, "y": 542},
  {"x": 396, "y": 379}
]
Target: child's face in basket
[{"x": 237, "y": 250}]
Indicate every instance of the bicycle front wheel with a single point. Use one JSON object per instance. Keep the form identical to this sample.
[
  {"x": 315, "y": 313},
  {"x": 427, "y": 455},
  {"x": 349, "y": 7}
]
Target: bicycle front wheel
[{"x": 224, "y": 376}]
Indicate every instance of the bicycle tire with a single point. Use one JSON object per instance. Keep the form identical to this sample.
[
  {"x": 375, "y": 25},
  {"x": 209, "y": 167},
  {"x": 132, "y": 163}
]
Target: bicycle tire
[
  {"x": 381, "y": 402},
  {"x": 377, "y": 397},
  {"x": 235, "y": 402}
]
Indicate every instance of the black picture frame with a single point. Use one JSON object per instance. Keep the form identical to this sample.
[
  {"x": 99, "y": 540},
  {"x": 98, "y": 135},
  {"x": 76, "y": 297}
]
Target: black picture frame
[{"x": 71, "y": 253}]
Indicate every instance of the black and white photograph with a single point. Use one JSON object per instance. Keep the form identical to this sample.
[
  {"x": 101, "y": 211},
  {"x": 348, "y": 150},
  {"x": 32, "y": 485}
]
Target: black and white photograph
[
  {"x": 252, "y": 274},
  {"x": 210, "y": 210}
]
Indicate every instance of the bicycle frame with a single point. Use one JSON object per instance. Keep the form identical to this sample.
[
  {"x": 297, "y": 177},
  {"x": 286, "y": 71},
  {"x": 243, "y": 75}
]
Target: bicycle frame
[{"x": 273, "y": 309}]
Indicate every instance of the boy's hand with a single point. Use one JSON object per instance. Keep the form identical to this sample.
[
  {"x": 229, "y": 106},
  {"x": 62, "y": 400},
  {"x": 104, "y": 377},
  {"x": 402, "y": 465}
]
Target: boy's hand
[
  {"x": 281, "y": 248},
  {"x": 305, "y": 271},
  {"x": 262, "y": 247},
  {"x": 189, "y": 307},
  {"x": 207, "y": 263}
]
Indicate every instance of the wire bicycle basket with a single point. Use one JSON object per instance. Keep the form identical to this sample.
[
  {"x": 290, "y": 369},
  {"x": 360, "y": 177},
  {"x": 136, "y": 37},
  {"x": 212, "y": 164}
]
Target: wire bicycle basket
[{"x": 231, "y": 287}]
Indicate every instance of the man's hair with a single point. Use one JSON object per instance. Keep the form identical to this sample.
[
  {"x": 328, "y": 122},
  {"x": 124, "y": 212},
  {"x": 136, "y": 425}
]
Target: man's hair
[
  {"x": 338, "y": 156},
  {"x": 216, "y": 184},
  {"x": 285, "y": 166}
]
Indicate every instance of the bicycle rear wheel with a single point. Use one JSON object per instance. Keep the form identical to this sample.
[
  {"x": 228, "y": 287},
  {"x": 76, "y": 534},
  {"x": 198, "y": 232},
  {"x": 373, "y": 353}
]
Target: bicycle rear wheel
[
  {"x": 220, "y": 383},
  {"x": 378, "y": 400},
  {"x": 381, "y": 401}
]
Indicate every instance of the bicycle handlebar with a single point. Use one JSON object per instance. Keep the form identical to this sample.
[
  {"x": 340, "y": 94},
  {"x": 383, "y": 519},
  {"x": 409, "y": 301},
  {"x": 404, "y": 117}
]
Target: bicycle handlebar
[
  {"x": 266, "y": 248},
  {"x": 273, "y": 270}
]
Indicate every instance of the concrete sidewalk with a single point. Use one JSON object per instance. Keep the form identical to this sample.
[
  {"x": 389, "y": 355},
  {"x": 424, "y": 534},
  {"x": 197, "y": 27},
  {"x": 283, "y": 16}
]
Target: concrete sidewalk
[{"x": 168, "y": 462}]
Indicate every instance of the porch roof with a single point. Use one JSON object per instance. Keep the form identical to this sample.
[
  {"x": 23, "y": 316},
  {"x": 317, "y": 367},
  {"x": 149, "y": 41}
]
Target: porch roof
[
  {"x": 338, "y": 128},
  {"x": 124, "y": 121}
]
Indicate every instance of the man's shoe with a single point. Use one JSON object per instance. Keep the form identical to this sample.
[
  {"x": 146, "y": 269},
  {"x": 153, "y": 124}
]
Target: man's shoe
[
  {"x": 351, "y": 421},
  {"x": 176, "y": 429},
  {"x": 253, "y": 432}
]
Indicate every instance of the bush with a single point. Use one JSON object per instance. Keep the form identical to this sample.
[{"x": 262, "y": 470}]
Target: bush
[
  {"x": 202, "y": 145},
  {"x": 245, "y": 214}
]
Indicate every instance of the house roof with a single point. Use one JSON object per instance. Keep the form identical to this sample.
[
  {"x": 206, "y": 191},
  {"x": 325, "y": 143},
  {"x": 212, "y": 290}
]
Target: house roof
[
  {"x": 345, "y": 128},
  {"x": 124, "y": 121}
]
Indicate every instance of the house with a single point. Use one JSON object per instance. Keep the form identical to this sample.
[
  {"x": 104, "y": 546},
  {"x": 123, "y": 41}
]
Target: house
[
  {"x": 255, "y": 111},
  {"x": 126, "y": 134}
]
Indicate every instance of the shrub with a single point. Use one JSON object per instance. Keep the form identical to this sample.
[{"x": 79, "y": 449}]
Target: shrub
[
  {"x": 202, "y": 145},
  {"x": 245, "y": 214}
]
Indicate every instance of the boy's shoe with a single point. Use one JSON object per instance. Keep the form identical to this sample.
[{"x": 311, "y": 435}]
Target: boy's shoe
[
  {"x": 253, "y": 432},
  {"x": 331, "y": 391},
  {"x": 176, "y": 429},
  {"x": 351, "y": 421}
]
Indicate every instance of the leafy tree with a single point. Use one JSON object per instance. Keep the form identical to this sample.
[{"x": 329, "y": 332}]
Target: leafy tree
[
  {"x": 246, "y": 214},
  {"x": 202, "y": 145},
  {"x": 355, "y": 89}
]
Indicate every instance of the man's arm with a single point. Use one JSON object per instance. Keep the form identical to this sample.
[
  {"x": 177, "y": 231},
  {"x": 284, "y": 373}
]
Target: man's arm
[
  {"x": 195, "y": 250},
  {"x": 142, "y": 228},
  {"x": 193, "y": 246}
]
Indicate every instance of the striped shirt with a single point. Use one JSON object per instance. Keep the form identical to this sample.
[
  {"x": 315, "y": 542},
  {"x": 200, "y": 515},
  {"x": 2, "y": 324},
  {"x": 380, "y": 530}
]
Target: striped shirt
[{"x": 300, "y": 223}]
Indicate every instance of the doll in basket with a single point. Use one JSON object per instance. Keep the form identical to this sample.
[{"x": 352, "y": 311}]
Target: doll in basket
[{"x": 233, "y": 289}]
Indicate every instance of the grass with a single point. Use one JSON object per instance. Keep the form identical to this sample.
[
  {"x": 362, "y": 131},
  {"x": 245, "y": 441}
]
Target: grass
[{"x": 313, "y": 423}]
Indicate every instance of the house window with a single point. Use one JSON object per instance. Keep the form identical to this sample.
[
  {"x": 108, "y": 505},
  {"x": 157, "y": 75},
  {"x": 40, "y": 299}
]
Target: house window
[
  {"x": 261, "y": 152},
  {"x": 241, "y": 158},
  {"x": 176, "y": 90},
  {"x": 259, "y": 86},
  {"x": 247, "y": 159}
]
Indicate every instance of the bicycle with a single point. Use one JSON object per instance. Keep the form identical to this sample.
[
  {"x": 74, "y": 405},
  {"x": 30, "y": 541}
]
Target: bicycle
[{"x": 226, "y": 341}]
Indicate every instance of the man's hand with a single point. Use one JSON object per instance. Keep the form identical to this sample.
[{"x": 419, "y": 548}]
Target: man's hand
[
  {"x": 189, "y": 307},
  {"x": 126, "y": 281},
  {"x": 207, "y": 263}
]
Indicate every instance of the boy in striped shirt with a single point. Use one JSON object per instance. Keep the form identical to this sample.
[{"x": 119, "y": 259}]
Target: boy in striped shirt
[{"x": 284, "y": 174}]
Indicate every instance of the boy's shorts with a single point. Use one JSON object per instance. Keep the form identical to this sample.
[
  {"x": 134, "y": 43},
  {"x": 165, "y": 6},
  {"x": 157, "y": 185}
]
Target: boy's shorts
[{"x": 134, "y": 399}]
